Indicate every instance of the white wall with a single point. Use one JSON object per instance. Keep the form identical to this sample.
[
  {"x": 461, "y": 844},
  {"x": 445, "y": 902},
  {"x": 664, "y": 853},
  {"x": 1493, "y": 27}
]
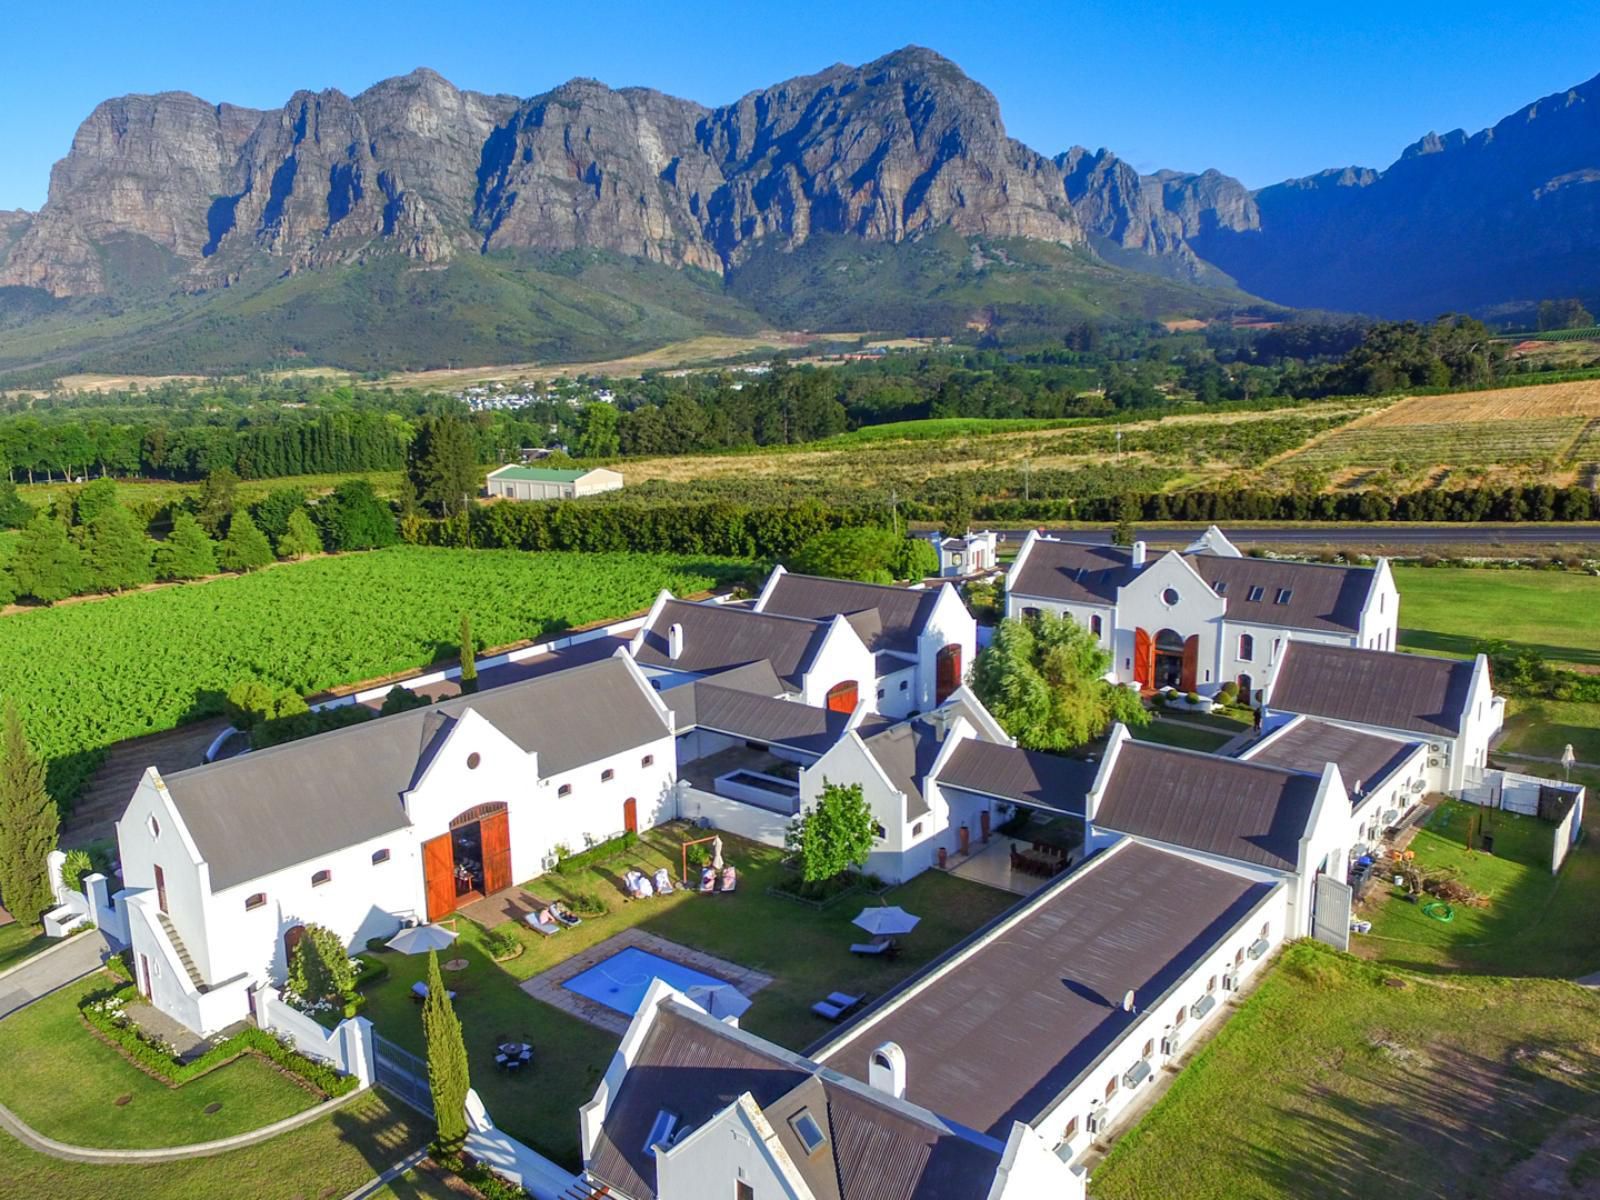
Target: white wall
[
  {"x": 187, "y": 880},
  {"x": 847, "y": 762},
  {"x": 736, "y": 1144},
  {"x": 1198, "y": 612},
  {"x": 950, "y": 623},
  {"x": 898, "y": 692},
  {"x": 842, "y": 656},
  {"x": 730, "y": 816}
]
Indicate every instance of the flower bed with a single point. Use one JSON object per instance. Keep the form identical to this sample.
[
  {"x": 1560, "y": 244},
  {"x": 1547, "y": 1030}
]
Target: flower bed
[{"x": 105, "y": 1013}]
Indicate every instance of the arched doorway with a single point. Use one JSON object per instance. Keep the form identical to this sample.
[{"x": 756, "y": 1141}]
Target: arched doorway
[
  {"x": 473, "y": 860},
  {"x": 1246, "y": 688},
  {"x": 947, "y": 672},
  {"x": 1169, "y": 659},
  {"x": 291, "y": 939},
  {"x": 842, "y": 697}
]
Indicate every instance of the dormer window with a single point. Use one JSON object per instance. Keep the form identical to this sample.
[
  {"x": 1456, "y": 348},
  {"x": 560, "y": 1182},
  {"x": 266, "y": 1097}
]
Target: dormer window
[
  {"x": 607, "y": 775},
  {"x": 564, "y": 790},
  {"x": 255, "y": 900},
  {"x": 1256, "y": 592},
  {"x": 1220, "y": 587},
  {"x": 808, "y": 1130},
  {"x": 661, "y": 1131},
  {"x": 1284, "y": 595}
]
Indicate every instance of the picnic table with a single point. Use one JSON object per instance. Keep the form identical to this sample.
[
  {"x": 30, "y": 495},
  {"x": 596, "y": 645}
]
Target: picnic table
[{"x": 513, "y": 1056}]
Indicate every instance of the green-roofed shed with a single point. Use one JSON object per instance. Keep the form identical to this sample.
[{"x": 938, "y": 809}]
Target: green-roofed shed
[{"x": 549, "y": 483}]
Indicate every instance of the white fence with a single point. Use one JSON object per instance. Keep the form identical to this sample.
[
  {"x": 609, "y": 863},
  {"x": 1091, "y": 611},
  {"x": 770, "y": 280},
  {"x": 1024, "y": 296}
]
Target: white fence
[
  {"x": 1520, "y": 794},
  {"x": 746, "y": 820}
]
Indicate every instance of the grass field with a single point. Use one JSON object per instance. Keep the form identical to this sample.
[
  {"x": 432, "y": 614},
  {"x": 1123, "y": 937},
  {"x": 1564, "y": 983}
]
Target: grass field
[
  {"x": 84, "y": 675},
  {"x": 805, "y": 950},
  {"x": 1185, "y": 736},
  {"x": 328, "y": 1158},
  {"x": 66, "y": 1083},
  {"x": 1449, "y": 610},
  {"x": 1340, "y": 1079},
  {"x": 18, "y": 941},
  {"x": 165, "y": 491}
]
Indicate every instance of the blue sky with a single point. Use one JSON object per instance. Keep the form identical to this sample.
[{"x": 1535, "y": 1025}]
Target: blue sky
[{"x": 1261, "y": 91}]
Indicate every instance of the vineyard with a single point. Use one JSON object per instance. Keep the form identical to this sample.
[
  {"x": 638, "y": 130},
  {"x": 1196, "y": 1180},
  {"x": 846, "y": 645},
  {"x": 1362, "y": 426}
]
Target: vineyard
[
  {"x": 1538, "y": 439},
  {"x": 87, "y": 675}
]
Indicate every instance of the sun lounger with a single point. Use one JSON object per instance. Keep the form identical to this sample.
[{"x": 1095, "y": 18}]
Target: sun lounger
[
  {"x": 730, "y": 879},
  {"x": 419, "y": 991},
  {"x": 836, "y": 1006},
  {"x": 544, "y": 921},
  {"x": 637, "y": 884},
  {"x": 844, "y": 999},
  {"x": 879, "y": 948},
  {"x": 565, "y": 915},
  {"x": 663, "y": 882},
  {"x": 708, "y": 880}
]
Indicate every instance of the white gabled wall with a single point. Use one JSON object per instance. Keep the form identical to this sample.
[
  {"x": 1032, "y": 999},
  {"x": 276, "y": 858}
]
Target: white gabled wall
[
  {"x": 1198, "y": 611},
  {"x": 842, "y": 656},
  {"x": 847, "y": 762},
  {"x": 738, "y": 1144},
  {"x": 950, "y": 623}
]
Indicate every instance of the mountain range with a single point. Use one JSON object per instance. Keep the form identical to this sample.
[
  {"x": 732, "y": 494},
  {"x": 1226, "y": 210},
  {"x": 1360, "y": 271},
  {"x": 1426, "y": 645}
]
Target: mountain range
[{"x": 418, "y": 223}]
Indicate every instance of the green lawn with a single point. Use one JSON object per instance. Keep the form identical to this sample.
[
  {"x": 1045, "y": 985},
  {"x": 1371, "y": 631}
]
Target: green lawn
[
  {"x": 1340, "y": 1079},
  {"x": 1534, "y": 923},
  {"x": 1448, "y": 610},
  {"x": 806, "y": 951},
  {"x": 18, "y": 941},
  {"x": 327, "y": 1158},
  {"x": 1178, "y": 733},
  {"x": 1546, "y": 727},
  {"x": 425, "y": 1182},
  {"x": 64, "y": 1081}
]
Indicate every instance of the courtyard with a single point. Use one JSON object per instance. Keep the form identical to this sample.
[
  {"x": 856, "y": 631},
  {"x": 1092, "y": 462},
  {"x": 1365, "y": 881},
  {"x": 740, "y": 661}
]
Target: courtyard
[{"x": 803, "y": 950}]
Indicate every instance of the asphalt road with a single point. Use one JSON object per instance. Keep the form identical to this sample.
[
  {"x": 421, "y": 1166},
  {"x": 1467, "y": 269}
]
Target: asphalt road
[{"x": 1336, "y": 533}]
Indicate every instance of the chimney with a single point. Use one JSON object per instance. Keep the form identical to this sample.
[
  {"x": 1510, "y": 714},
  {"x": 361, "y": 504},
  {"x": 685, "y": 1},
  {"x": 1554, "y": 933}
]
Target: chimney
[
  {"x": 1138, "y": 554},
  {"x": 675, "y": 642},
  {"x": 887, "y": 1071}
]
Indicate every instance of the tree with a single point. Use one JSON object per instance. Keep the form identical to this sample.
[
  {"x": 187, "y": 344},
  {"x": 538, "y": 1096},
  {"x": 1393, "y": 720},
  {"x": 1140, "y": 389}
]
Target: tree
[
  {"x": 402, "y": 699},
  {"x": 251, "y": 703},
  {"x": 117, "y": 552},
  {"x": 47, "y": 564},
  {"x": 917, "y": 559},
  {"x": 597, "y": 432},
  {"x": 15, "y": 512},
  {"x": 216, "y": 501},
  {"x": 187, "y": 553},
  {"x": 300, "y": 538},
  {"x": 955, "y": 515},
  {"x": 442, "y": 464},
  {"x": 1043, "y": 679},
  {"x": 245, "y": 548},
  {"x": 353, "y": 518},
  {"x": 94, "y": 499},
  {"x": 1564, "y": 314},
  {"x": 8, "y": 585},
  {"x": 29, "y": 823},
  {"x": 319, "y": 968},
  {"x": 448, "y": 1078},
  {"x": 469, "y": 658},
  {"x": 272, "y": 513},
  {"x": 1127, "y": 514},
  {"x": 867, "y": 553},
  {"x": 835, "y": 834}
]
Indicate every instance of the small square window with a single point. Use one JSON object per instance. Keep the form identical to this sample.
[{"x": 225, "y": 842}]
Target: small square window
[
  {"x": 380, "y": 856},
  {"x": 880, "y": 693},
  {"x": 649, "y": 760},
  {"x": 916, "y": 830},
  {"x": 1071, "y": 1131},
  {"x": 257, "y": 900},
  {"x": 321, "y": 877},
  {"x": 1285, "y": 595},
  {"x": 1220, "y": 587},
  {"x": 905, "y": 685},
  {"x": 607, "y": 775},
  {"x": 564, "y": 790},
  {"x": 1256, "y": 593}
]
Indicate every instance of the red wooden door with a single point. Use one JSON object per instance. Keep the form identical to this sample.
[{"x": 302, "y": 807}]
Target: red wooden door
[
  {"x": 439, "y": 876},
  {"x": 1144, "y": 657},
  {"x": 948, "y": 673},
  {"x": 161, "y": 890},
  {"x": 495, "y": 829},
  {"x": 1191, "y": 662},
  {"x": 630, "y": 815},
  {"x": 842, "y": 697}
]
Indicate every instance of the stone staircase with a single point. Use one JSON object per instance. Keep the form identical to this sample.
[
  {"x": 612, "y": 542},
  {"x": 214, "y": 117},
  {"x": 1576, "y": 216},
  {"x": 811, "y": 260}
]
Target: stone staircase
[{"x": 171, "y": 931}]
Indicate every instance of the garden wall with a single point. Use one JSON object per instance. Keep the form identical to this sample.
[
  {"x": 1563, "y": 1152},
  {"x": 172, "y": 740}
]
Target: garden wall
[
  {"x": 730, "y": 816},
  {"x": 348, "y": 1046}
]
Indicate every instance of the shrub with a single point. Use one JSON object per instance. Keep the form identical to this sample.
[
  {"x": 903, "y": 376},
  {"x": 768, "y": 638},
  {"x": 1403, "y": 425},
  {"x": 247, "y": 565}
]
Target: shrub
[
  {"x": 319, "y": 968},
  {"x": 488, "y": 1184},
  {"x": 697, "y": 856},
  {"x": 501, "y": 943},
  {"x": 370, "y": 970},
  {"x": 1228, "y": 693},
  {"x": 377, "y": 945},
  {"x": 1194, "y": 698},
  {"x": 598, "y": 853},
  {"x": 586, "y": 903},
  {"x": 77, "y": 865}
]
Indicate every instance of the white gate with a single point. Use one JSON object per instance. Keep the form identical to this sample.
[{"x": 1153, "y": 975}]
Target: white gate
[{"x": 1330, "y": 912}]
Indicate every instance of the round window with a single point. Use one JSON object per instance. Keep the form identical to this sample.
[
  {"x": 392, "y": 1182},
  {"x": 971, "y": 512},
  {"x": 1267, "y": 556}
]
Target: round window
[
  {"x": 473, "y": 760},
  {"x": 1169, "y": 597}
]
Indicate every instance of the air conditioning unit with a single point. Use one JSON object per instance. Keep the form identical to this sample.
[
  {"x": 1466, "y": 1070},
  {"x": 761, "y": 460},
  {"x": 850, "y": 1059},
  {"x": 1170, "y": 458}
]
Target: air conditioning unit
[
  {"x": 1095, "y": 1121},
  {"x": 1202, "y": 1006},
  {"x": 1169, "y": 1045},
  {"x": 1433, "y": 747},
  {"x": 1230, "y": 982},
  {"x": 1136, "y": 1074},
  {"x": 548, "y": 862}
]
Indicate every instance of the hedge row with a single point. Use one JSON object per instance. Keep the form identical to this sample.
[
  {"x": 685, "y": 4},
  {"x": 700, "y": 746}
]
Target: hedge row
[
  {"x": 598, "y": 853},
  {"x": 155, "y": 1060}
]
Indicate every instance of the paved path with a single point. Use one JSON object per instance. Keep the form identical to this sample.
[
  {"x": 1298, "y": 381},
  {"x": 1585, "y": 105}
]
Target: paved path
[{"x": 49, "y": 970}]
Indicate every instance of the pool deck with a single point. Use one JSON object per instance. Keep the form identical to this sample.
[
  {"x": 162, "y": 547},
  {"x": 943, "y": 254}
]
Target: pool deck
[{"x": 549, "y": 985}]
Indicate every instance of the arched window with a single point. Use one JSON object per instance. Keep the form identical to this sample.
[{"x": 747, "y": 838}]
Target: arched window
[
  {"x": 1096, "y": 626},
  {"x": 1111, "y": 1087},
  {"x": 842, "y": 697},
  {"x": 321, "y": 877},
  {"x": 255, "y": 900},
  {"x": 1247, "y": 647},
  {"x": 1030, "y": 613},
  {"x": 380, "y": 856}
]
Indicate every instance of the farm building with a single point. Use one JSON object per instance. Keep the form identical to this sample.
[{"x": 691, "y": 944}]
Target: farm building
[
  {"x": 970, "y": 554},
  {"x": 548, "y": 483}
]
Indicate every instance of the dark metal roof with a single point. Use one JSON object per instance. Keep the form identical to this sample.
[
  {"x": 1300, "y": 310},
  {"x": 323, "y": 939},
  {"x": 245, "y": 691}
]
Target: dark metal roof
[
  {"x": 906, "y": 753},
  {"x": 876, "y": 1149},
  {"x": 716, "y": 637},
  {"x": 1365, "y": 760},
  {"x": 1074, "y": 571},
  {"x": 757, "y": 677},
  {"x": 706, "y": 705},
  {"x": 900, "y": 612},
  {"x": 1317, "y": 596},
  {"x": 270, "y": 809},
  {"x": 999, "y": 1036},
  {"x": 1224, "y": 806},
  {"x": 1026, "y": 776},
  {"x": 1374, "y": 687}
]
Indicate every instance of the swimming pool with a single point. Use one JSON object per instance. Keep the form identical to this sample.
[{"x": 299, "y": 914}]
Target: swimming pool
[{"x": 621, "y": 981}]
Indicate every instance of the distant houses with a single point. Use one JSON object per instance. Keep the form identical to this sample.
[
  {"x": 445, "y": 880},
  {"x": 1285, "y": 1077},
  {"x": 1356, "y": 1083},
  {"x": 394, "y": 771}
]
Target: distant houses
[{"x": 515, "y": 482}]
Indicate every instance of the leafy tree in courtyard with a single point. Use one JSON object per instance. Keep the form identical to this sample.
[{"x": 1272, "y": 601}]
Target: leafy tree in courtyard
[
  {"x": 867, "y": 553},
  {"x": 300, "y": 538},
  {"x": 215, "y": 504},
  {"x": 1043, "y": 679},
  {"x": 29, "y": 823},
  {"x": 442, "y": 464},
  {"x": 917, "y": 559},
  {"x": 448, "y": 1078},
  {"x": 319, "y": 968},
  {"x": 47, "y": 564},
  {"x": 834, "y": 835},
  {"x": 597, "y": 435},
  {"x": 245, "y": 548},
  {"x": 354, "y": 518},
  {"x": 469, "y": 658},
  {"x": 187, "y": 553},
  {"x": 117, "y": 551}
]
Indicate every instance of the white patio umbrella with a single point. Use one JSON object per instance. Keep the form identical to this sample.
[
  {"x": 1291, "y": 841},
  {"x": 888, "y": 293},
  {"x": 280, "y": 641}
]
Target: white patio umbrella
[
  {"x": 716, "y": 853},
  {"x": 419, "y": 939},
  {"x": 719, "y": 999},
  {"x": 886, "y": 920}
]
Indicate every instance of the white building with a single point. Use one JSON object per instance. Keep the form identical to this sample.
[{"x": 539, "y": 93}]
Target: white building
[
  {"x": 1447, "y": 703},
  {"x": 970, "y": 554},
  {"x": 401, "y": 818},
  {"x": 516, "y": 482},
  {"x": 1197, "y": 619}
]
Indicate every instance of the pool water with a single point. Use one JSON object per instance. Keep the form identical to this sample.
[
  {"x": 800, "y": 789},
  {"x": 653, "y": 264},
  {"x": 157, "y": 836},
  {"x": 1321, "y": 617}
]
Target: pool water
[{"x": 621, "y": 981}]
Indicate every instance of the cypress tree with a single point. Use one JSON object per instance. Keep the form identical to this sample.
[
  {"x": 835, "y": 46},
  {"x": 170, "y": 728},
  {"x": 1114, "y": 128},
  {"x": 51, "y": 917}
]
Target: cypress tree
[
  {"x": 47, "y": 564},
  {"x": 469, "y": 659},
  {"x": 245, "y": 548},
  {"x": 187, "y": 553},
  {"x": 447, "y": 1064},
  {"x": 28, "y": 823}
]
